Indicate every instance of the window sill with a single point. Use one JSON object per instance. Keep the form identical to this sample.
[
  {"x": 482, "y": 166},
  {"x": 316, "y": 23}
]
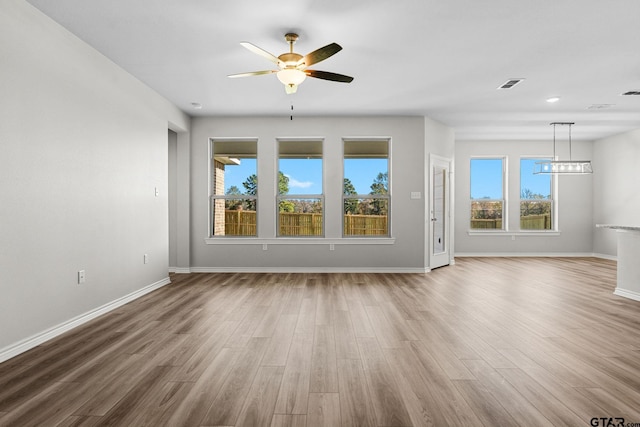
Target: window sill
[
  {"x": 532, "y": 233},
  {"x": 300, "y": 241}
]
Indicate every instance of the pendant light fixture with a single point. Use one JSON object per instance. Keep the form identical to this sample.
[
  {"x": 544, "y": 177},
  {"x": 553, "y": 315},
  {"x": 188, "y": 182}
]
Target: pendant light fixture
[{"x": 562, "y": 167}]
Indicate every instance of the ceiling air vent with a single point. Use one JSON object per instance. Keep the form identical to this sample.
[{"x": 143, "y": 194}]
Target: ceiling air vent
[
  {"x": 599, "y": 106},
  {"x": 510, "y": 83},
  {"x": 632, "y": 92}
]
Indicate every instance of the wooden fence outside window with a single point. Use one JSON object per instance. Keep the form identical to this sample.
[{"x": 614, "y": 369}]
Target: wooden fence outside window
[
  {"x": 529, "y": 222},
  {"x": 243, "y": 223}
]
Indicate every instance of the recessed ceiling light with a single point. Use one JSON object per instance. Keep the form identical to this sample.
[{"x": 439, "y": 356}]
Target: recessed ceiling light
[
  {"x": 553, "y": 99},
  {"x": 196, "y": 105}
]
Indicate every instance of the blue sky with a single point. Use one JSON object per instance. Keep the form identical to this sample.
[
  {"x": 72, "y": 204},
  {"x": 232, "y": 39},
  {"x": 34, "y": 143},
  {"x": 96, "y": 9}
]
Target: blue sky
[
  {"x": 362, "y": 172},
  {"x": 236, "y": 175},
  {"x": 305, "y": 175},
  {"x": 538, "y": 184},
  {"x": 486, "y": 178}
]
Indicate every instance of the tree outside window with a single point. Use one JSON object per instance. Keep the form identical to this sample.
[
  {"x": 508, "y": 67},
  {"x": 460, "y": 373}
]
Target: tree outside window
[
  {"x": 300, "y": 198},
  {"x": 366, "y": 197},
  {"x": 536, "y": 201},
  {"x": 233, "y": 209},
  {"x": 487, "y": 193}
]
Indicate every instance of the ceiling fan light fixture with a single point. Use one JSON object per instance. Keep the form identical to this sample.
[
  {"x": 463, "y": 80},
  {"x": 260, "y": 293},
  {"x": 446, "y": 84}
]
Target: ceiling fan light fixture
[
  {"x": 291, "y": 76},
  {"x": 293, "y": 66},
  {"x": 289, "y": 89}
]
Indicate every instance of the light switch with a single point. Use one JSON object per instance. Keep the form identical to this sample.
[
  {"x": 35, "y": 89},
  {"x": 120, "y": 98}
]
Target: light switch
[{"x": 416, "y": 195}]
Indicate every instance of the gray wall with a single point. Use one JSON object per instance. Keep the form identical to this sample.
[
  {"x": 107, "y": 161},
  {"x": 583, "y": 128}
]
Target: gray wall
[
  {"x": 574, "y": 198},
  {"x": 84, "y": 145},
  {"x": 173, "y": 199},
  {"x": 439, "y": 139},
  {"x": 407, "y": 175},
  {"x": 616, "y": 187}
]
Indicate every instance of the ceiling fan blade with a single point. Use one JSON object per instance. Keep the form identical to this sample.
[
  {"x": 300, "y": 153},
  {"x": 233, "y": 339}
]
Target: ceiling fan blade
[
  {"x": 255, "y": 49},
  {"x": 325, "y": 75},
  {"x": 320, "y": 54},
  {"x": 251, "y": 73}
]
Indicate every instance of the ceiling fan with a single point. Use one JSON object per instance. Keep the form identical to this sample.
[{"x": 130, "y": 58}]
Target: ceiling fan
[{"x": 292, "y": 67}]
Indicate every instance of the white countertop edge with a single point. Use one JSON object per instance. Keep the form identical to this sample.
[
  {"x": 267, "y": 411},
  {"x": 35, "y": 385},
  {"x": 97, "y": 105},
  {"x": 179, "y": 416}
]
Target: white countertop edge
[{"x": 619, "y": 227}]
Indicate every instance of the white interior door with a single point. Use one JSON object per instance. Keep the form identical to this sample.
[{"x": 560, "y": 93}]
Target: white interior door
[{"x": 439, "y": 252}]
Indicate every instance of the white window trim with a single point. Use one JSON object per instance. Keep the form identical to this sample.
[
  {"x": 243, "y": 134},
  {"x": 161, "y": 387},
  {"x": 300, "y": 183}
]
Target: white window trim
[
  {"x": 300, "y": 241},
  {"x": 506, "y": 232},
  {"x": 505, "y": 197},
  {"x": 210, "y": 190},
  {"x": 290, "y": 240},
  {"x": 370, "y": 196},
  {"x": 554, "y": 202},
  {"x": 523, "y": 233},
  {"x": 299, "y": 196}
]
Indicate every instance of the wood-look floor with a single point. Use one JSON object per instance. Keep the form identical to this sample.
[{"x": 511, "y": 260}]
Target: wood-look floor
[{"x": 484, "y": 342}]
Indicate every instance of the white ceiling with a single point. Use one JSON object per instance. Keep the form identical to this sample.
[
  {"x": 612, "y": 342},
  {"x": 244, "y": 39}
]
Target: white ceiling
[{"x": 439, "y": 58}]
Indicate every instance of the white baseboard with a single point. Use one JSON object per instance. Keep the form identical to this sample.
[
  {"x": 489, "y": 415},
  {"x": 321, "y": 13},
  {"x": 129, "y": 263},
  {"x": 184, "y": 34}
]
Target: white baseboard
[
  {"x": 37, "y": 339},
  {"x": 627, "y": 294},
  {"x": 526, "y": 254},
  {"x": 180, "y": 270},
  {"x": 307, "y": 270},
  {"x": 605, "y": 256}
]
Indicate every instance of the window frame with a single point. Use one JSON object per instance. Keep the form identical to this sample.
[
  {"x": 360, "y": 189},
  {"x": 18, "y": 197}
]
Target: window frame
[
  {"x": 214, "y": 197},
  {"x": 297, "y": 196},
  {"x": 504, "y": 200},
  {"x": 387, "y": 197},
  {"x": 552, "y": 199}
]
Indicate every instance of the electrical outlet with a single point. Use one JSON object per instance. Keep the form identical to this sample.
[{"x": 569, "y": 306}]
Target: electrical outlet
[
  {"x": 157, "y": 192},
  {"x": 81, "y": 276},
  {"x": 264, "y": 246},
  {"x": 146, "y": 259},
  {"x": 332, "y": 247}
]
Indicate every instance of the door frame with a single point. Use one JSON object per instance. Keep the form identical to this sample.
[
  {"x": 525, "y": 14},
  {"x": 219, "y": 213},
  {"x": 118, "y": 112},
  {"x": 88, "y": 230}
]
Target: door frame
[{"x": 434, "y": 160}]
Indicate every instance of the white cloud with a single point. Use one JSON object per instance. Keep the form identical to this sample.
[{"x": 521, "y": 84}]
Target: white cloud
[{"x": 298, "y": 184}]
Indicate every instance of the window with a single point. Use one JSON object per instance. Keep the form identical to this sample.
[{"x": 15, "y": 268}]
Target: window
[
  {"x": 234, "y": 188},
  {"x": 366, "y": 198},
  {"x": 487, "y": 193},
  {"x": 536, "y": 201},
  {"x": 300, "y": 200}
]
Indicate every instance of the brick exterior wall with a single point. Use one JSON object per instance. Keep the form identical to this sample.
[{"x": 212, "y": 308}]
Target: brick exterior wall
[{"x": 218, "y": 205}]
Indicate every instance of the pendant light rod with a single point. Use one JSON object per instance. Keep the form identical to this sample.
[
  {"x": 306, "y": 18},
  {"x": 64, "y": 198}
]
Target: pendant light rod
[
  {"x": 554, "y": 141},
  {"x": 569, "y": 142},
  {"x": 554, "y": 124}
]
